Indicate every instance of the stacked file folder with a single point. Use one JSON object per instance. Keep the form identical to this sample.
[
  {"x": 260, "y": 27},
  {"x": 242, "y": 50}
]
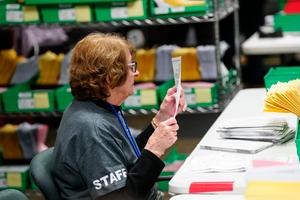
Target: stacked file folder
[
  {"x": 271, "y": 129},
  {"x": 284, "y": 97}
]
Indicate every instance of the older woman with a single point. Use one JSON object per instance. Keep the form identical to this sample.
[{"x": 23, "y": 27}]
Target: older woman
[{"x": 96, "y": 157}]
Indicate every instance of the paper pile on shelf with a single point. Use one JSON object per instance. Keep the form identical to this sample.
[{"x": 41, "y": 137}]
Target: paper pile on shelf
[
  {"x": 284, "y": 97},
  {"x": 269, "y": 129},
  {"x": 273, "y": 183}
]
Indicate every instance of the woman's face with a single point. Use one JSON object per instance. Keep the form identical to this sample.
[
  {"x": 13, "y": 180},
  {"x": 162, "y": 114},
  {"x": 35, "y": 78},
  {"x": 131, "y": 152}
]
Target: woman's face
[{"x": 127, "y": 88}]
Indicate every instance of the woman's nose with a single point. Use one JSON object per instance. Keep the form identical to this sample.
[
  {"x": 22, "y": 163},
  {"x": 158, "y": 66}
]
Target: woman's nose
[{"x": 136, "y": 73}]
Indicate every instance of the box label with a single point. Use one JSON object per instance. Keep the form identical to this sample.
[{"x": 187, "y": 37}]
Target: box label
[
  {"x": 119, "y": 12},
  {"x": 135, "y": 8},
  {"x": 30, "y": 13},
  {"x": 161, "y": 10},
  {"x": 133, "y": 101},
  {"x": 12, "y": 6},
  {"x": 203, "y": 95},
  {"x": 14, "y": 16},
  {"x": 148, "y": 97},
  {"x": 41, "y": 100},
  {"x": 82, "y": 13},
  {"x": 3, "y": 182},
  {"x": 25, "y": 103},
  {"x": 67, "y": 14},
  {"x": 14, "y": 179},
  {"x": 177, "y": 9},
  {"x": 190, "y": 99}
]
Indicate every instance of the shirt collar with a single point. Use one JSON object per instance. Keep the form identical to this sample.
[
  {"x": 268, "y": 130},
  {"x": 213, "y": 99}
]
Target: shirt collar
[{"x": 106, "y": 105}]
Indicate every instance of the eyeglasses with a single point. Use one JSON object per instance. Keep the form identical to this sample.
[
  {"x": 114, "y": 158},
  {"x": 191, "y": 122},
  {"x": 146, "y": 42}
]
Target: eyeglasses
[{"x": 133, "y": 66}]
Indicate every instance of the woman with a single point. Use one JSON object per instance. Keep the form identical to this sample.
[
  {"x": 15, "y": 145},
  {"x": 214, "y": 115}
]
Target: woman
[{"x": 96, "y": 156}]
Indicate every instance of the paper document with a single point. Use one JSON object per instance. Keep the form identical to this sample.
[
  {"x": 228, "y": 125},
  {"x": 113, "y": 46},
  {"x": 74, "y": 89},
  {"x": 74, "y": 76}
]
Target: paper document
[
  {"x": 176, "y": 63},
  {"x": 239, "y": 146},
  {"x": 283, "y": 173},
  {"x": 270, "y": 129},
  {"x": 214, "y": 162},
  {"x": 254, "y": 122}
]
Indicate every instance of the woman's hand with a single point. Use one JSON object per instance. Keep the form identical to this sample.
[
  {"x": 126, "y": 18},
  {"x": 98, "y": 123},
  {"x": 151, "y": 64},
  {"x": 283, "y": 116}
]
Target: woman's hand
[
  {"x": 164, "y": 136},
  {"x": 167, "y": 107}
]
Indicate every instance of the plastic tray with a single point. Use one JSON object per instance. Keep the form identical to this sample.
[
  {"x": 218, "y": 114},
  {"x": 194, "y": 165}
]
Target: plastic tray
[
  {"x": 281, "y": 74},
  {"x": 121, "y": 11},
  {"x": 63, "y": 97},
  {"x": 21, "y": 98}
]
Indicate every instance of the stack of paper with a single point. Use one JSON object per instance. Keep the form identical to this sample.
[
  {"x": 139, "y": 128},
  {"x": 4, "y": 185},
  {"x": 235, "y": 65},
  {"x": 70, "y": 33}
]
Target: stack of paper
[
  {"x": 213, "y": 162},
  {"x": 273, "y": 183},
  {"x": 270, "y": 129},
  {"x": 284, "y": 97}
]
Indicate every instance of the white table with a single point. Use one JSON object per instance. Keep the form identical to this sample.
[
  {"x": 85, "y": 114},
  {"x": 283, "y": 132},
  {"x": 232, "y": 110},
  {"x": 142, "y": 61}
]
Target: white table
[
  {"x": 289, "y": 43},
  {"x": 246, "y": 102},
  {"x": 207, "y": 197}
]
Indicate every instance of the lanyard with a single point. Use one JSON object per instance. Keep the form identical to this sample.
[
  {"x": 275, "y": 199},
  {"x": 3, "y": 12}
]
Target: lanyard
[{"x": 127, "y": 132}]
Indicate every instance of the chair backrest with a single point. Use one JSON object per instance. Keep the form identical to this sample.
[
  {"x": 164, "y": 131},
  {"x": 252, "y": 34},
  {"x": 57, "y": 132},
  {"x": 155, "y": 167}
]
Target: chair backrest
[
  {"x": 12, "y": 194},
  {"x": 41, "y": 172}
]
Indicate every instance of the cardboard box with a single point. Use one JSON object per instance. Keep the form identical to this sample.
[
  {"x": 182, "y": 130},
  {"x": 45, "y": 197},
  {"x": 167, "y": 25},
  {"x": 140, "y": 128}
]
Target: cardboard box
[
  {"x": 63, "y": 97},
  {"x": 21, "y": 98}
]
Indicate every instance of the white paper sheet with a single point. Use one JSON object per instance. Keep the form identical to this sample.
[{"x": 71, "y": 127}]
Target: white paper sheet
[
  {"x": 214, "y": 162},
  {"x": 176, "y": 63}
]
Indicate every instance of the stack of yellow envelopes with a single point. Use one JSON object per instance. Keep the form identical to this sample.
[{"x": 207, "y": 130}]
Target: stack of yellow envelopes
[
  {"x": 284, "y": 97},
  {"x": 10, "y": 143},
  {"x": 272, "y": 190},
  {"x": 185, "y": 3},
  {"x": 8, "y": 62},
  {"x": 190, "y": 69},
  {"x": 146, "y": 64},
  {"x": 273, "y": 183},
  {"x": 49, "y": 66}
]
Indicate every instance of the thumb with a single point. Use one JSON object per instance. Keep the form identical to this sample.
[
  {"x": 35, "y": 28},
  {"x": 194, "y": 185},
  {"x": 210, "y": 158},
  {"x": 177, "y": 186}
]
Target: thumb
[{"x": 171, "y": 121}]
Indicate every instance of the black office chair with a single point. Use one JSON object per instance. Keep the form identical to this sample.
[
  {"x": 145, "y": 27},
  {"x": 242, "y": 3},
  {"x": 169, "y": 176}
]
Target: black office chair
[
  {"x": 41, "y": 172},
  {"x": 12, "y": 194}
]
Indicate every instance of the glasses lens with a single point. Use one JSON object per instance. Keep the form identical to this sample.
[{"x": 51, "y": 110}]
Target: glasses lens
[{"x": 133, "y": 66}]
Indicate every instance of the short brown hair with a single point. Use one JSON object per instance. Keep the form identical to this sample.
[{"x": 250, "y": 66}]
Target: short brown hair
[{"x": 98, "y": 62}]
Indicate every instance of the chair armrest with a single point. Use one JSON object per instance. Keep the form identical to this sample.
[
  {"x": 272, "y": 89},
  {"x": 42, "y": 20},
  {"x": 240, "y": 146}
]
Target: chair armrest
[{"x": 164, "y": 178}]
